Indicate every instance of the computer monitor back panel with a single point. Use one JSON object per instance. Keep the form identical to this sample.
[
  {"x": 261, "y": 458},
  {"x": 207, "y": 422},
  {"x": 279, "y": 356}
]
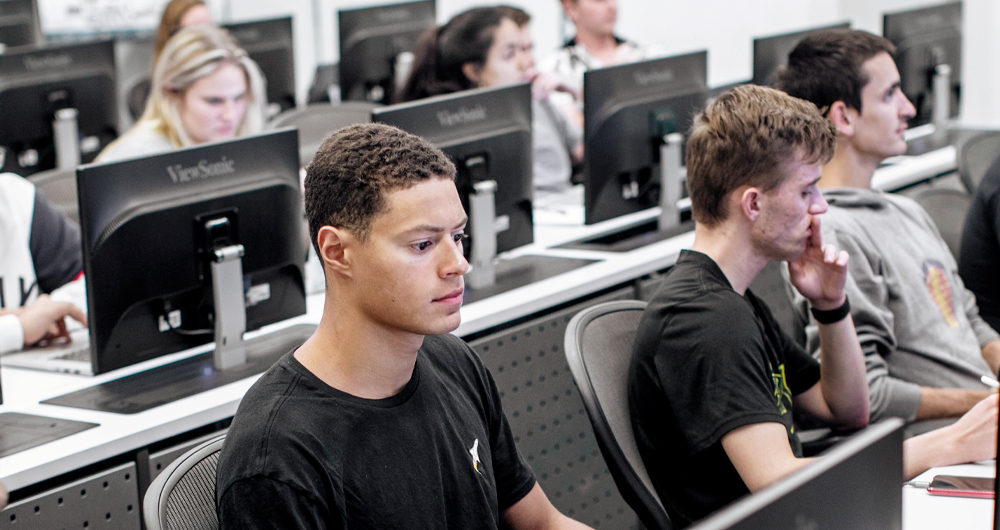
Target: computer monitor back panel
[
  {"x": 492, "y": 123},
  {"x": 148, "y": 279},
  {"x": 269, "y": 43},
  {"x": 857, "y": 484},
  {"x": 35, "y": 82},
  {"x": 370, "y": 40},
  {"x": 925, "y": 38},
  {"x": 771, "y": 53},
  {"x": 626, "y": 109}
]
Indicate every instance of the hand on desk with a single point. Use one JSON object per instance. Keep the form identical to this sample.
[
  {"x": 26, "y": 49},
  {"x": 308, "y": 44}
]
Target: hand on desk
[
  {"x": 44, "y": 319},
  {"x": 3, "y": 496},
  {"x": 970, "y": 439}
]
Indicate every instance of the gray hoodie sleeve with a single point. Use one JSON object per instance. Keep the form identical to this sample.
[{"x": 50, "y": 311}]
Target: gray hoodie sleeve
[{"x": 867, "y": 291}]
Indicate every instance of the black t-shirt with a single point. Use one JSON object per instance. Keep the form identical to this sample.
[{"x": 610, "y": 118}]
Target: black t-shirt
[
  {"x": 439, "y": 454},
  {"x": 979, "y": 259},
  {"x": 706, "y": 362}
]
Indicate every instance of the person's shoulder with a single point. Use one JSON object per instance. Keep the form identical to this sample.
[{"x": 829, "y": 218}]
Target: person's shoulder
[
  {"x": 694, "y": 300},
  {"x": 144, "y": 139},
  {"x": 16, "y": 187},
  {"x": 17, "y": 199}
]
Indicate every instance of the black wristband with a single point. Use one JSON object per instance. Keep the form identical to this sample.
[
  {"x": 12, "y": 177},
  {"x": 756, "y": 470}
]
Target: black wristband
[{"x": 833, "y": 315}]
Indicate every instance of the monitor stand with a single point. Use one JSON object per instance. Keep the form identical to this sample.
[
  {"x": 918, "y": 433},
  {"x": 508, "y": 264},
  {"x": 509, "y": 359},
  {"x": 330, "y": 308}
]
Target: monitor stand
[
  {"x": 672, "y": 220},
  {"x": 65, "y": 137},
  {"x": 490, "y": 276}
]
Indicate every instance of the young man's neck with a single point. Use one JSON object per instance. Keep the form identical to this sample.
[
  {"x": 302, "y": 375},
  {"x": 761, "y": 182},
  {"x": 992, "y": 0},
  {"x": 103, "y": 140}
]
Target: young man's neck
[
  {"x": 848, "y": 168},
  {"x": 604, "y": 46},
  {"x": 355, "y": 355},
  {"x": 729, "y": 247}
]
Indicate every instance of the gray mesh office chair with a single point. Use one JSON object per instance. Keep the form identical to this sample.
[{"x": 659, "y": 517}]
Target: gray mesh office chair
[
  {"x": 975, "y": 157},
  {"x": 316, "y": 122},
  {"x": 598, "y": 348},
  {"x": 182, "y": 497},
  {"x": 947, "y": 209},
  {"x": 59, "y": 187}
]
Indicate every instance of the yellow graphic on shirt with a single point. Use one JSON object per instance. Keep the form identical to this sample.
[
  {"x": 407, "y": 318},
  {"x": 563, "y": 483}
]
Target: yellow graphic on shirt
[
  {"x": 782, "y": 394},
  {"x": 938, "y": 285}
]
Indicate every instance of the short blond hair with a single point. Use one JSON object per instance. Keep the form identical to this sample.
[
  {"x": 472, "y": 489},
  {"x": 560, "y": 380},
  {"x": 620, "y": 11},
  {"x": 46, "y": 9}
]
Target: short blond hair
[
  {"x": 746, "y": 137},
  {"x": 191, "y": 54}
]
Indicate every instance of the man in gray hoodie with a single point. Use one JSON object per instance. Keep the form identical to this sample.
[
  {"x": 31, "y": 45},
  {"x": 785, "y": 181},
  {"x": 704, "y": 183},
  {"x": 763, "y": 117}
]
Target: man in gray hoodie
[{"x": 925, "y": 345}]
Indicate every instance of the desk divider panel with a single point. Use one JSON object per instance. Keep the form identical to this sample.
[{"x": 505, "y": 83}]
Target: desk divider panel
[
  {"x": 546, "y": 415},
  {"x": 106, "y": 500}
]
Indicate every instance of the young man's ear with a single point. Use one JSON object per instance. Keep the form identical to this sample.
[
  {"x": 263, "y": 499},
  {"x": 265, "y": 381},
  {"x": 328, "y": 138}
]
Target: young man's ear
[
  {"x": 473, "y": 72},
  {"x": 334, "y": 249},
  {"x": 749, "y": 203},
  {"x": 843, "y": 117}
]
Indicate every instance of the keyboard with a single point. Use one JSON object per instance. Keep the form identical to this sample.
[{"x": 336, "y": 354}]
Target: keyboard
[{"x": 77, "y": 351}]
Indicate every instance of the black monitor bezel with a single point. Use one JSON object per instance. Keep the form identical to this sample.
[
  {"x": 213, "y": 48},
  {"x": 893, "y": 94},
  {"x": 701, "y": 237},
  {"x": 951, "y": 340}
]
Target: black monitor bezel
[
  {"x": 610, "y": 90},
  {"x": 355, "y": 26},
  {"x": 108, "y": 203},
  {"x": 896, "y": 26},
  {"x": 87, "y": 60}
]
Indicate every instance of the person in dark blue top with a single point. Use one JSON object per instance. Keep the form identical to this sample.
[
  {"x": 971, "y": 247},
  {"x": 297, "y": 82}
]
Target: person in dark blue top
[{"x": 381, "y": 419}]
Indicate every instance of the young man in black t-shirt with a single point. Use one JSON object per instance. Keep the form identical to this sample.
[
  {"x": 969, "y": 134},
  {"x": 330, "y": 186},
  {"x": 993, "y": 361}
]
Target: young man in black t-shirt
[
  {"x": 381, "y": 419},
  {"x": 713, "y": 380}
]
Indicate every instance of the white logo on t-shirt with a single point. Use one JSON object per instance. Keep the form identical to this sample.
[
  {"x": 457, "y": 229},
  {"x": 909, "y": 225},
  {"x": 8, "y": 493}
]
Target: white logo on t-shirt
[{"x": 475, "y": 456}]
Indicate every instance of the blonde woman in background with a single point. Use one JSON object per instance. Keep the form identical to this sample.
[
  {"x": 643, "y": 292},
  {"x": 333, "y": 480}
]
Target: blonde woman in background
[{"x": 205, "y": 89}]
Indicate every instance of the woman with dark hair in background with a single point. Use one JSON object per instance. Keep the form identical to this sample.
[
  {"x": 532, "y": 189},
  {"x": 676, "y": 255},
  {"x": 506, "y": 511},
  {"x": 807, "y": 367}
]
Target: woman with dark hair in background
[{"x": 490, "y": 47}]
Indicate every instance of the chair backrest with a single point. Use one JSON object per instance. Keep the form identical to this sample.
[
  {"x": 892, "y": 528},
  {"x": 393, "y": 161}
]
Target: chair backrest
[
  {"x": 182, "y": 497},
  {"x": 316, "y": 122},
  {"x": 975, "y": 157},
  {"x": 598, "y": 347},
  {"x": 59, "y": 187},
  {"x": 947, "y": 208}
]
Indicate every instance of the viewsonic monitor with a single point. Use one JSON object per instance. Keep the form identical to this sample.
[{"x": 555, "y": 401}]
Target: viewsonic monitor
[
  {"x": 371, "y": 40},
  {"x": 925, "y": 38},
  {"x": 487, "y": 134},
  {"x": 146, "y": 245},
  {"x": 855, "y": 484},
  {"x": 269, "y": 44},
  {"x": 771, "y": 53},
  {"x": 38, "y": 81},
  {"x": 628, "y": 109}
]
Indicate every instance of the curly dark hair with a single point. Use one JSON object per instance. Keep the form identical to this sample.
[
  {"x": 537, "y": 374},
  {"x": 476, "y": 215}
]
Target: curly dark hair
[{"x": 356, "y": 167}]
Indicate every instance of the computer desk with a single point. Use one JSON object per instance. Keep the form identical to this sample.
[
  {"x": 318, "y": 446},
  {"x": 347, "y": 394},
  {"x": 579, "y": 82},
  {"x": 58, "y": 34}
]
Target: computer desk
[{"x": 558, "y": 220}]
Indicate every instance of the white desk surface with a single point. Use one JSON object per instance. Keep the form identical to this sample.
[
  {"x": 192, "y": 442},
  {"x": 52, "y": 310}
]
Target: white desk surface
[
  {"x": 559, "y": 219},
  {"x": 923, "y": 511}
]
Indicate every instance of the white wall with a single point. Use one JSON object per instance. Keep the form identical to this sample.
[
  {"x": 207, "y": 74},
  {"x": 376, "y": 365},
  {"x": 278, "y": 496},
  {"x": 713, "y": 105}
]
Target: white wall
[
  {"x": 981, "y": 63},
  {"x": 725, "y": 28}
]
